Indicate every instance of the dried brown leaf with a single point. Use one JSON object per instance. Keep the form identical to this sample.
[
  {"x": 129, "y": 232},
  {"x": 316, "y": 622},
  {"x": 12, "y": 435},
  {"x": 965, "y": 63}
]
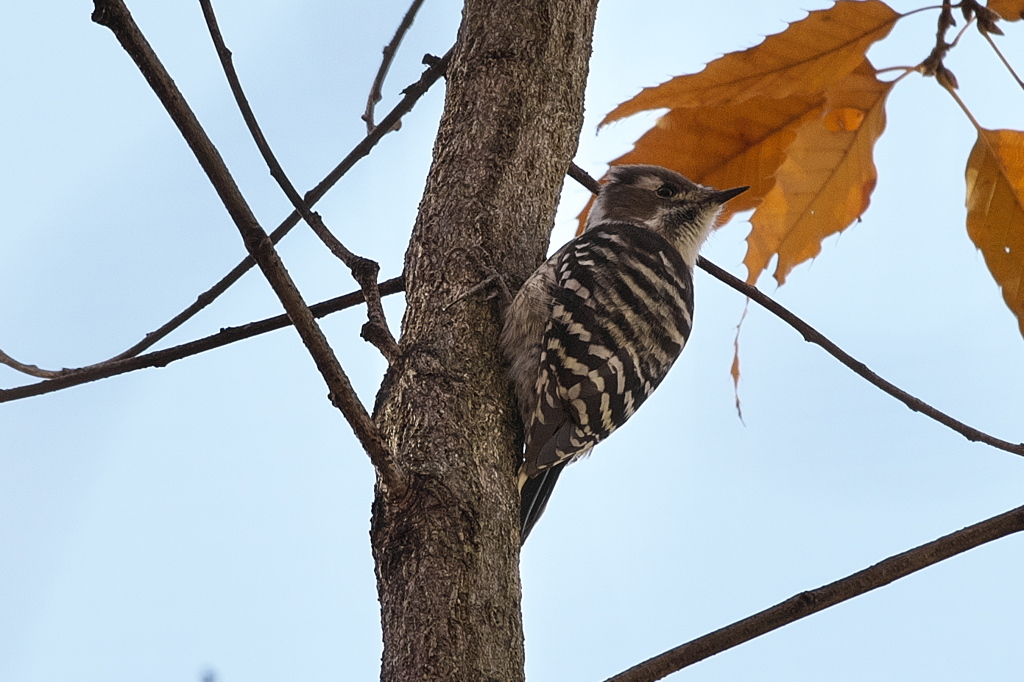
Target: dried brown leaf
[
  {"x": 995, "y": 210},
  {"x": 734, "y": 369},
  {"x": 727, "y": 146},
  {"x": 808, "y": 57},
  {"x": 826, "y": 181}
]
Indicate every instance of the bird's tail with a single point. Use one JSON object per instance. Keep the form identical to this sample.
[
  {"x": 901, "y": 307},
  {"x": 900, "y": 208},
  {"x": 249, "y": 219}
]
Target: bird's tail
[{"x": 535, "y": 494}]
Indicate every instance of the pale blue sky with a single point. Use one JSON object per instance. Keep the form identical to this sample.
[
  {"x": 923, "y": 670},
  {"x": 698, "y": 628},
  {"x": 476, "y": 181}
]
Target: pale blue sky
[{"x": 214, "y": 514}]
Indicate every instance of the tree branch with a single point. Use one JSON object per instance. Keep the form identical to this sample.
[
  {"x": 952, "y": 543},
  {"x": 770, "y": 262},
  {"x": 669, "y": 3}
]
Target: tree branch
[
  {"x": 806, "y": 603},
  {"x": 31, "y": 370},
  {"x": 115, "y": 15},
  {"x": 812, "y": 335},
  {"x": 161, "y": 358},
  {"x": 412, "y": 94},
  {"x": 363, "y": 270},
  {"x": 389, "y": 55},
  {"x": 583, "y": 177}
]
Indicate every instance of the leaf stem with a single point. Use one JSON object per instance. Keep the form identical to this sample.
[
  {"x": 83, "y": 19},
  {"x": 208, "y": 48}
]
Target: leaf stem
[
  {"x": 1006, "y": 63},
  {"x": 920, "y": 9},
  {"x": 963, "y": 106},
  {"x": 905, "y": 69}
]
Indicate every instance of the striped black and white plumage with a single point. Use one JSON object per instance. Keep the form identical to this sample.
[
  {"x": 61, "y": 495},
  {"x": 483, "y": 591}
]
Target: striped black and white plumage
[{"x": 596, "y": 328}]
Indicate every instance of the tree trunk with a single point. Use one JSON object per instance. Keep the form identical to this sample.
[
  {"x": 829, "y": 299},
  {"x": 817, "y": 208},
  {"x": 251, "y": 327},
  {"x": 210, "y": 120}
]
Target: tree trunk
[{"x": 447, "y": 549}]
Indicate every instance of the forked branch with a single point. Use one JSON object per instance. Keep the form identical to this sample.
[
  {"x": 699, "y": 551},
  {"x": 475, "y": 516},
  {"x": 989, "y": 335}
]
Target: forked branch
[
  {"x": 363, "y": 270},
  {"x": 411, "y": 95},
  {"x": 24, "y": 368},
  {"x": 164, "y": 357},
  {"x": 115, "y": 15},
  {"x": 811, "y": 335}
]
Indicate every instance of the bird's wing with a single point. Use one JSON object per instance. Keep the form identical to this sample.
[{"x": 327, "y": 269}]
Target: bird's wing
[{"x": 591, "y": 381}]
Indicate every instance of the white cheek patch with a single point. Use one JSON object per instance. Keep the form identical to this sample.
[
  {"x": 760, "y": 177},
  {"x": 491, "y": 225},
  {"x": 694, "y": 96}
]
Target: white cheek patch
[
  {"x": 657, "y": 218},
  {"x": 711, "y": 215},
  {"x": 689, "y": 241}
]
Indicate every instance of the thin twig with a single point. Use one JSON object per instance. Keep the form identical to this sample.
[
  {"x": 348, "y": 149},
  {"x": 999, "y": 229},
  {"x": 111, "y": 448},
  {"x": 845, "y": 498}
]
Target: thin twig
[
  {"x": 584, "y": 178},
  {"x": 389, "y": 55},
  {"x": 162, "y": 358},
  {"x": 933, "y": 64},
  {"x": 935, "y": 57},
  {"x": 364, "y": 270},
  {"x": 807, "y": 603},
  {"x": 114, "y": 15},
  {"x": 412, "y": 94},
  {"x": 960, "y": 34},
  {"x": 813, "y": 336},
  {"x": 31, "y": 370}
]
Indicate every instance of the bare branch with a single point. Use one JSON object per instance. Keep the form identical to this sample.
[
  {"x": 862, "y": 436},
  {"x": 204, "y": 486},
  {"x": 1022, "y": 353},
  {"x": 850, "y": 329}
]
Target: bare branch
[
  {"x": 114, "y": 15},
  {"x": 811, "y": 335},
  {"x": 806, "y": 603},
  {"x": 584, "y": 178},
  {"x": 161, "y": 358},
  {"x": 30, "y": 370},
  {"x": 412, "y": 94},
  {"x": 389, "y": 55},
  {"x": 363, "y": 270}
]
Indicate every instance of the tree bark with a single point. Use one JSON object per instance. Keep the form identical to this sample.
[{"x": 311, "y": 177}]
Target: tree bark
[{"x": 447, "y": 549}]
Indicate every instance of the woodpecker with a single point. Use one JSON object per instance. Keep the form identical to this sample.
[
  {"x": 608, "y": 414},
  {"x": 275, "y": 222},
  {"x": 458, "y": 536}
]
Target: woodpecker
[{"x": 596, "y": 328}]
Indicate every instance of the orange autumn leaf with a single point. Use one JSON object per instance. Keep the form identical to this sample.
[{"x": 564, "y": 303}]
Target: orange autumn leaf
[
  {"x": 826, "y": 181},
  {"x": 844, "y": 119},
  {"x": 995, "y": 210},
  {"x": 727, "y": 146},
  {"x": 1011, "y": 10},
  {"x": 806, "y": 58}
]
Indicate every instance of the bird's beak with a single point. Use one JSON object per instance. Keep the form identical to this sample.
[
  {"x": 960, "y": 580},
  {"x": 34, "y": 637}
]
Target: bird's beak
[{"x": 722, "y": 196}]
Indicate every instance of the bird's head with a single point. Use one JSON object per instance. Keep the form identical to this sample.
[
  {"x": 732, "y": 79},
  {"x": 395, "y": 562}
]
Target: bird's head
[{"x": 663, "y": 201}]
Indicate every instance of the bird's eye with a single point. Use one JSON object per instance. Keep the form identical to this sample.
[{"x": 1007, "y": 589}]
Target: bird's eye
[{"x": 666, "y": 191}]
